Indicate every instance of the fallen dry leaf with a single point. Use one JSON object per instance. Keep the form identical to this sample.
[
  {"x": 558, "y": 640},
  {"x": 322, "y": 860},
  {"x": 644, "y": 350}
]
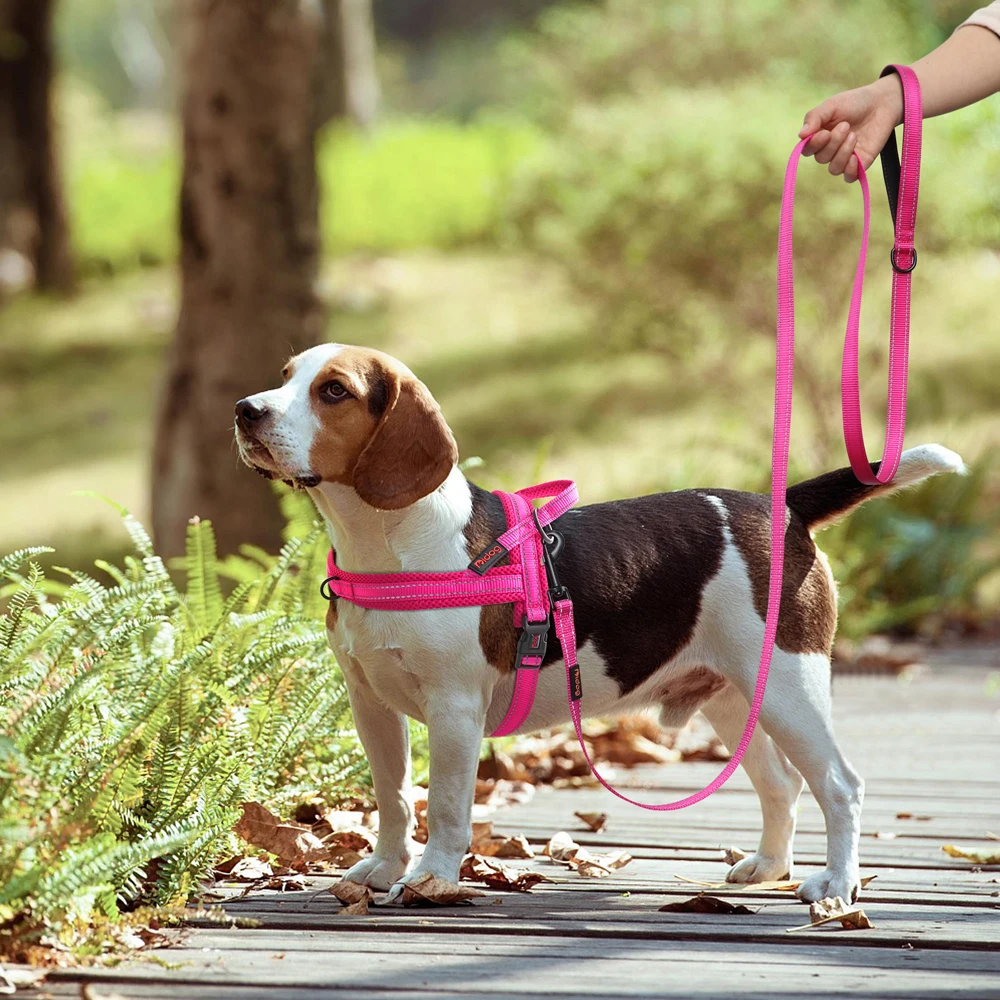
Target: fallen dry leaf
[
  {"x": 629, "y": 748},
  {"x": 733, "y": 854},
  {"x": 497, "y": 876},
  {"x": 832, "y": 910},
  {"x": 349, "y": 892},
  {"x": 600, "y": 865},
  {"x": 482, "y": 833},
  {"x": 420, "y": 815},
  {"x": 706, "y": 904},
  {"x": 294, "y": 882},
  {"x": 431, "y": 891},
  {"x": 355, "y": 897},
  {"x": 244, "y": 869},
  {"x": 782, "y": 885},
  {"x": 291, "y": 842},
  {"x": 358, "y": 909},
  {"x": 556, "y": 758},
  {"x": 359, "y": 840},
  {"x": 563, "y": 849},
  {"x": 488, "y": 844},
  {"x": 984, "y": 857},
  {"x": 884, "y": 835},
  {"x": 593, "y": 820},
  {"x": 508, "y": 847}
]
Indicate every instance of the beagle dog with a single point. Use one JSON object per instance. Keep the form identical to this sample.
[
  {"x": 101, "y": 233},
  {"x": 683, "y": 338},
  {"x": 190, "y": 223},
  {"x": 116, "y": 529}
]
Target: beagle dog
[{"x": 670, "y": 593}]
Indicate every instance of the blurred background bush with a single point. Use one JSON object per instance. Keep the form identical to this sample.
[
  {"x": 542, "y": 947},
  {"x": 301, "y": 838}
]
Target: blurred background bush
[{"x": 567, "y": 210}]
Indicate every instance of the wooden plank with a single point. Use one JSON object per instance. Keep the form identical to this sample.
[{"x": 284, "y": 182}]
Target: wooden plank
[
  {"x": 930, "y": 747},
  {"x": 522, "y": 967},
  {"x": 931, "y": 924},
  {"x": 649, "y": 875}
]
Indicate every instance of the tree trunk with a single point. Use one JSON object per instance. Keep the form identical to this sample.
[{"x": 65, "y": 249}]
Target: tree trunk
[
  {"x": 32, "y": 217},
  {"x": 347, "y": 82},
  {"x": 249, "y": 256}
]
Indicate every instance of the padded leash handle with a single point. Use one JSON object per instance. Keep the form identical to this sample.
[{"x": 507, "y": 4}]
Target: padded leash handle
[{"x": 902, "y": 184}]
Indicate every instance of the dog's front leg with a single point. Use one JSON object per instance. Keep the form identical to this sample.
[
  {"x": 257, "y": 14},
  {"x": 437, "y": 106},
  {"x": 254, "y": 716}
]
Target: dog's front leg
[
  {"x": 455, "y": 733},
  {"x": 386, "y": 739}
]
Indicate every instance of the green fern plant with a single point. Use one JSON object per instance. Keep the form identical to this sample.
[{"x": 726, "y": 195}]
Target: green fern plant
[{"x": 138, "y": 715}]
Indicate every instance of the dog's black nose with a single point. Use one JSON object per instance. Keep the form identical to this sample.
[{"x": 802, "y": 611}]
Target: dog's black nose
[{"x": 248, "y": 412}]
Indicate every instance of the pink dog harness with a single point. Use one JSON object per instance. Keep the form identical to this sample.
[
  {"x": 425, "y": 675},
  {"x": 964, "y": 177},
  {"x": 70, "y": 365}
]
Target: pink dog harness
[
  {"x": 523, "y": 583},
  {"x": 529, "y": 581}
]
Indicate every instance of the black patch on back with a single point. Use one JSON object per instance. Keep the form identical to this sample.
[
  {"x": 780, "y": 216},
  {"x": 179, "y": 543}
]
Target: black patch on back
[{"x": 635, "y": 569}]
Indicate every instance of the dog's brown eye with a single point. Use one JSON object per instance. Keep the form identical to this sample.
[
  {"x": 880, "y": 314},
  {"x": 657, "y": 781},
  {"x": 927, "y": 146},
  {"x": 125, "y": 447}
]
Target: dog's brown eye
[{"x": 333, "y": 392}]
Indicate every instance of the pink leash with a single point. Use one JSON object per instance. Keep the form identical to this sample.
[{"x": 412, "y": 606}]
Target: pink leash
[{"x": 523, "y": 582}]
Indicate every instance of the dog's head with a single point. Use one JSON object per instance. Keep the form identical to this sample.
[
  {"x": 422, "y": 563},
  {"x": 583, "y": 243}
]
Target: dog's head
[{"x": 353, "y": 416}]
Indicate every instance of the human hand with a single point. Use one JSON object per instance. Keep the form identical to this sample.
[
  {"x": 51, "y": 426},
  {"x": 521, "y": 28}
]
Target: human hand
[{"x": 855, "y": 121}]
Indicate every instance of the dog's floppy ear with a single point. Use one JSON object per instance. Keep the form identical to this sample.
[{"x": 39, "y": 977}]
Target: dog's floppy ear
[{"x": 411, "y": 451}]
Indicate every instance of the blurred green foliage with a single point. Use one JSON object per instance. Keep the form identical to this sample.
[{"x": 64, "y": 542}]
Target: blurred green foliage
[
  {"x": 638, "y": 146},
  {"x": 407, "y": 183},
  {"x": 917, "y": 562},
  {"x": 659, "y": 186}
]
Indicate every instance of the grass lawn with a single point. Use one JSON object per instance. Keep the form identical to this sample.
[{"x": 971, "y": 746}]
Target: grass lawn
[{"x": 523, "y": 378}]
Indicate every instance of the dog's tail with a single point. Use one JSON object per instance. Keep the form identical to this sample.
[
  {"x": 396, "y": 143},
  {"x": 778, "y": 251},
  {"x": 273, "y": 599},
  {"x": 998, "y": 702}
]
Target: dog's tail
[{"x": 827, "y": 498}]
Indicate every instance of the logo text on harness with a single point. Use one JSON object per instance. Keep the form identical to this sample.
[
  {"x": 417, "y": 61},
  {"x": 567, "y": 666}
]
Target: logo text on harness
[{"x": 490, "y": 556}]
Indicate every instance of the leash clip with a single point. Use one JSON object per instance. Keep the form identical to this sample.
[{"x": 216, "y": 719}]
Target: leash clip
[
  {"x": 532, "y": 644},
  {"x": 552, "y": 543}
]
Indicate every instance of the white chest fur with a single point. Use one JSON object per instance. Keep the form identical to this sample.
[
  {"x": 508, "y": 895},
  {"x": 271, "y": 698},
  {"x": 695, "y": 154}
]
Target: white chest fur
[{"x": 403, "y": 655}]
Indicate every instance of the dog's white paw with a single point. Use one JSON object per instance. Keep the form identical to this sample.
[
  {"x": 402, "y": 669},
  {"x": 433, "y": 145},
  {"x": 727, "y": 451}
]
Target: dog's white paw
[
  {"x": 379, "y": 873},
  {"x": 759, "y": 868},
  {"x": 827, "y": 883},
  {"x": 396, "y": 892}
]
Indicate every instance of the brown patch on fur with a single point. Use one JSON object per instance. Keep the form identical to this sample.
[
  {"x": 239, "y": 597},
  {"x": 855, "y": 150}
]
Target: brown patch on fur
[
  {"x": 808, "y": 618},
  {"x": 331, "y": 615},
  {"x": 697, "y": 685},
  {"x": 681, "y": 696},
  {"x": 389, "y": 442},
  {"x": 497, "y": 635}
]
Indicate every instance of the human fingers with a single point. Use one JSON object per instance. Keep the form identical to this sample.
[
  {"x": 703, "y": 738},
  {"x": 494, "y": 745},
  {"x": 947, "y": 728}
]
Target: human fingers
[
  {"x": 844, "y": 155},
  {"x": 832, "y": 146}
]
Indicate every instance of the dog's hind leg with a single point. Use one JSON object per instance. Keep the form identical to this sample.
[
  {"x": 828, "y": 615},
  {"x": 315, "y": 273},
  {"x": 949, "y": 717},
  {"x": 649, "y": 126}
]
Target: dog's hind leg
[
  {"x": 777, "y": 783},
  {"x": 797, "y": 715}
]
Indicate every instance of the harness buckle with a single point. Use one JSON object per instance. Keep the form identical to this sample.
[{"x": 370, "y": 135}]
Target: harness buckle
[{"x": 532, "y": 644}]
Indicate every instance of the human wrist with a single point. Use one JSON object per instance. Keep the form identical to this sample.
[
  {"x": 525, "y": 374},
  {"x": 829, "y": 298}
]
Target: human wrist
[{"x": 888, "y": 93}]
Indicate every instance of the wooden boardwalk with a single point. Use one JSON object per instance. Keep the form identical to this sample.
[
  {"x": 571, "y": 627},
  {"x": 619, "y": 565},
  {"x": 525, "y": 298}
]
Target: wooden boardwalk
[{"x": 929, "y": 746}]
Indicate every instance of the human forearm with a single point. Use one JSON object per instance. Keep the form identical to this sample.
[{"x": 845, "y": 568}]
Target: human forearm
[{"x": 962, "y": 70}]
